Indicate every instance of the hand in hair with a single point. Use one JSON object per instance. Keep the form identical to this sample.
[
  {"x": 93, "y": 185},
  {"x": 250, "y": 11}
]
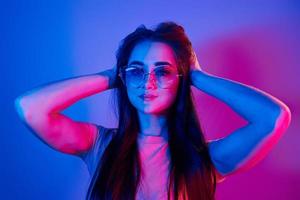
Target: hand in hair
[
  {"x": 113, "y": 77},
  {"x": 195, "y": 66}
]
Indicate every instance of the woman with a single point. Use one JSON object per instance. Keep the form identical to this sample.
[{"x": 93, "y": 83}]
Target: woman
[{"x": 158, "y": 150}]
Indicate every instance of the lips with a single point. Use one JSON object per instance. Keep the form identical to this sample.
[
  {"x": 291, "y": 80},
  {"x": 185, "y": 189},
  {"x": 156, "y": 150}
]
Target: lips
[{"x": 147, "y": 97}]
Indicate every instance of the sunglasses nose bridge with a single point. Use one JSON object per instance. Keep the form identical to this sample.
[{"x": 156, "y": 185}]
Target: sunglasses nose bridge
[{"x": 151, "y": 77}]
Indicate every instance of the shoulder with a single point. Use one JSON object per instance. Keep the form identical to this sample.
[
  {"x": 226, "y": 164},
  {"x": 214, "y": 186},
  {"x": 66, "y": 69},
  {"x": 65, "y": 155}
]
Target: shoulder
[
  {"x": 219, "y": 176},
  {"x": 103, "y": 138}
]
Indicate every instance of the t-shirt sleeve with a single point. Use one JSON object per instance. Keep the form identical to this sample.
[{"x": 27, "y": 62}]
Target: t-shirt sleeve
[{"x": 92, "y": 157}]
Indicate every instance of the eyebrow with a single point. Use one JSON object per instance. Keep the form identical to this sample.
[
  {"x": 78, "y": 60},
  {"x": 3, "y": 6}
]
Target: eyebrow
[{"x": 156, "y": 63}]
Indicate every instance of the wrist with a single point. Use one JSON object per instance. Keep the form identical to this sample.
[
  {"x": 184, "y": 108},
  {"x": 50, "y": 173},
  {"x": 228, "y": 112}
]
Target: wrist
[
  {"x": 111, "y": 77},
  {"x": 195, "y": 75}
]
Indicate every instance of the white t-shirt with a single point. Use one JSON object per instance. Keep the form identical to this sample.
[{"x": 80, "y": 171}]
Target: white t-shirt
[{"x": 154, "y": 154}]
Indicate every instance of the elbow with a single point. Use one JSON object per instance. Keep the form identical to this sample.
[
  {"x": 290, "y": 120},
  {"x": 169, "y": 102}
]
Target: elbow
[
  {"x": 18, "y": 103},
  {"x": 286, "y": 115},
  {"x": 21, "y": 107},
  {"x": 279, "y": 117},
  {"x": 283, "y": 114},
  {"x": 284, "y": 118},
  {"x": 280, "y": 122}
]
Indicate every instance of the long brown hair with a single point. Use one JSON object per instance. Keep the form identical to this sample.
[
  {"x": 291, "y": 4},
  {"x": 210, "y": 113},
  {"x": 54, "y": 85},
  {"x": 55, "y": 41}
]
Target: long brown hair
[{"x": 192, "y": 175}]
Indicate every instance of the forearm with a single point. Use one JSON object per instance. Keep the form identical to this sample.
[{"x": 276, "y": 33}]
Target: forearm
[
  {"x": 252, "y": 104},
  {"x": 59, "y": 95}
]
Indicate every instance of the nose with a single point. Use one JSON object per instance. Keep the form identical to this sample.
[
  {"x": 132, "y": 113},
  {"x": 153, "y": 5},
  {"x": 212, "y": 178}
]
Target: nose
[{"x": 150, "y": 81}]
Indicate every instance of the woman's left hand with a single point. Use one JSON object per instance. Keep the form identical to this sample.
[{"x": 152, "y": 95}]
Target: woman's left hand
[{"x": 195, "y": 66}]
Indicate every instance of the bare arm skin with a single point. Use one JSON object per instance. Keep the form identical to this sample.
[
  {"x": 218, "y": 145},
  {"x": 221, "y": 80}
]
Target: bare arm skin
[
  {"x": 268, "y": 119},
  {"x": 40, "y": 110}
]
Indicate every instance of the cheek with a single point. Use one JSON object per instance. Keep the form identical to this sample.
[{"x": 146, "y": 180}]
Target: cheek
[
  {"x": 174, "y": 89},
  {"x": 132, "y": 96},
  {"x": 169, "y": 95}
]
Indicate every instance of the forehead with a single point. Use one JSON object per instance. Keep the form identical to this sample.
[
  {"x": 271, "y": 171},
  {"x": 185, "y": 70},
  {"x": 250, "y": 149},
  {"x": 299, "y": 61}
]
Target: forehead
[{"x": 150, "y": 52}]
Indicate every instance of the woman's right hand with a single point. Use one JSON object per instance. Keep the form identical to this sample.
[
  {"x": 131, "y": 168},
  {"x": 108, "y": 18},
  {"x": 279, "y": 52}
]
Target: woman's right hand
[{"x": 112, "y": 74}]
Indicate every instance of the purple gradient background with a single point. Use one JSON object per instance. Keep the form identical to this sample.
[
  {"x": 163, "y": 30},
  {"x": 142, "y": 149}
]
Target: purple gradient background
[{"x": 256, "y": 43}]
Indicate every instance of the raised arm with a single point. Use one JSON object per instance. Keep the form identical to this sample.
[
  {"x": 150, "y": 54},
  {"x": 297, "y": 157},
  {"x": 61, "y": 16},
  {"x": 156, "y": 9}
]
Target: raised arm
[
  {"x": 268, "y": 118},
  {"x": 40, "y": 110}
]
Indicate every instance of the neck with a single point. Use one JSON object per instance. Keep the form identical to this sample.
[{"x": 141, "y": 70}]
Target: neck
[{"x": 155, "y": 125}]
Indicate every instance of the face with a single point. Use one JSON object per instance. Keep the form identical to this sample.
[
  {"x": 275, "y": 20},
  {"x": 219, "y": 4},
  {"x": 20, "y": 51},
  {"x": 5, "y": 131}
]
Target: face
[{"x": 150, "y": 55}]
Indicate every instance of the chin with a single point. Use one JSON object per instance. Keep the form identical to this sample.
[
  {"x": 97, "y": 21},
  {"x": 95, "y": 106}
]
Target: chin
[{"x": 154, "y": 111}]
